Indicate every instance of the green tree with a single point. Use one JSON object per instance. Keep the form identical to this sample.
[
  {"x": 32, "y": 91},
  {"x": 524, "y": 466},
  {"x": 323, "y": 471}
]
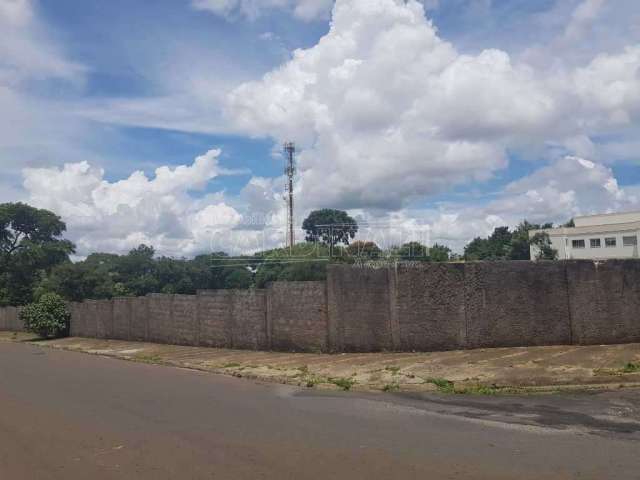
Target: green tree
[
  {"x": 496, "y": 247},
  {"x": 439, "y": 253},
  {"x": 543, "y": 243},
  {"x": 239, "y": 278},
  {"x": 306, "y": 262},
  {"x": 31, "y": 244},
  {"x": 413, "y": 251},
  {"x": 521, "y": 241},
  {"x": 330, "y": 227},
  {"x": 76, "y": 282},
  {"x": 503, "y": 244},
  {"x": 363, "y": 249}
]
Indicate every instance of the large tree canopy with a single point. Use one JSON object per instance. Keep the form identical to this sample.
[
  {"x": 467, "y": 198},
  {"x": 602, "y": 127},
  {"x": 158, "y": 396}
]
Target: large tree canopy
[
  {"x": 330, "y": 227},
  {"x": 503, "y": 244},
  {"x": 30, "y": 243}
]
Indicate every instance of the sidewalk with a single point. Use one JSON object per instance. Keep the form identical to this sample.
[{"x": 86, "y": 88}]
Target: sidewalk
[{"x": 485, "y": 371}]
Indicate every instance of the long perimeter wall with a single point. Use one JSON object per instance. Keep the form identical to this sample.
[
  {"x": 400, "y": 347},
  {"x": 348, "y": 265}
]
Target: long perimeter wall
[{"x": 405, "y": 307}]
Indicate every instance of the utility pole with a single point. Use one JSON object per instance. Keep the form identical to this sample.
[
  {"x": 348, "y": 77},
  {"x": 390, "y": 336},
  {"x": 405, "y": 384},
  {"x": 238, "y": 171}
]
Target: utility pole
[{"x": 290, "y": 170}]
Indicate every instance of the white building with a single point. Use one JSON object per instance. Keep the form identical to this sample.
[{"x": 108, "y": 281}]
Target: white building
[{"x": 596, "y": 237}]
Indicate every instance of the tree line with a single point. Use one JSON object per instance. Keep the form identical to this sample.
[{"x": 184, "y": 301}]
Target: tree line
[{"x": 35, "y": 259}]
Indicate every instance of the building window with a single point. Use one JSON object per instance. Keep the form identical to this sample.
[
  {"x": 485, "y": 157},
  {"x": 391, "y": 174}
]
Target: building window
[
  {"x": 594, "y": 243},
  {"x": 630, "y": 241},
  {"x": 610, "y": 242},
  {"x": 578, "y": 243}
]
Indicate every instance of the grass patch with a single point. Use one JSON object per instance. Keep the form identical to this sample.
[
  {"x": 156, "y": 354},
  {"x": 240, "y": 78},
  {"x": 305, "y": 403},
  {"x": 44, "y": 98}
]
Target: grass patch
[
  {"x": 631, "y": 368},
  {"x": 391, "y": 387},
  {"x": 448, "y": 387},
  {"x": 444, "y": 385},
  {"x": 312, "y": 381},
  {"x": 343, "y": 383},
  {"x": 231, "y": 365},
  {"x": 392, "y": 368}
]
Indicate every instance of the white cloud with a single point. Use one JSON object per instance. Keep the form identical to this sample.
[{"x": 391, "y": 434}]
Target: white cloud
[
  {"x": 568, "y": 187},
  {"x": 610, "y": 85},
  {"x": 387, "y": 111},
  {"x": 26, "y": 51},
  {"x": 304, "y": 9},
  {"x": 582, "y": 17},
  {"x": 35, "y": 128},
  {"x": 117, "y": 216}
]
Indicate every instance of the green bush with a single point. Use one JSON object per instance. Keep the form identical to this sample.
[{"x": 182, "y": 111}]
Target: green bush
[{"x": 49, "y": 317}]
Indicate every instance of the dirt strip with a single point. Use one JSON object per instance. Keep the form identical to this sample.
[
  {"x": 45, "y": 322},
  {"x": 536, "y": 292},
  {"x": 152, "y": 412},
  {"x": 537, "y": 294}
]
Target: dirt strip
[{"x": 484, "y": 371}]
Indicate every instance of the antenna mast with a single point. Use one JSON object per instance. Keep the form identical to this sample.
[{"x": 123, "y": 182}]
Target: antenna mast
[{"x": 289, "y": 171}]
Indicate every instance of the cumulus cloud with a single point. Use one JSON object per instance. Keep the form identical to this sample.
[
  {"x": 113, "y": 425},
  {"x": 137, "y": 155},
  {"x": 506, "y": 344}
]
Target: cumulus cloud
[
  {"x": 387, "y": 111},
  {"x": 304, "y": 9},
  {"x": 610, "y": 85},
  {"x": 567, "y": 187},
  {"x": 117, "y": 216}
]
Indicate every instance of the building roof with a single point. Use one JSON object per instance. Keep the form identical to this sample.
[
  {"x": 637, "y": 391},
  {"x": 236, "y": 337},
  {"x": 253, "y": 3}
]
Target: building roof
[
  {"x": 607, "y": 219},
  {"x": 607, "y": 228}
]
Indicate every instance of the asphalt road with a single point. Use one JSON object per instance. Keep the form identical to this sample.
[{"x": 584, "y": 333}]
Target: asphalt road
[{"x": 69, "y": 416}]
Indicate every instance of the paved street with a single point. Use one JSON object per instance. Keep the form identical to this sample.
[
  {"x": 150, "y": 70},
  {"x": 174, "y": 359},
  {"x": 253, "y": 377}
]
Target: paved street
[{"x": 68, "y": 415}]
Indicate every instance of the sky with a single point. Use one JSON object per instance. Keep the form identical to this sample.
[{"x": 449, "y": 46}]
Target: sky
[{"x": 435, "y": 120}]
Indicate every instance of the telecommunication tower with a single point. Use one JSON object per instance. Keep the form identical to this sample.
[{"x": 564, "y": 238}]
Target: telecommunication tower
[{"x": 289, "y": 171}]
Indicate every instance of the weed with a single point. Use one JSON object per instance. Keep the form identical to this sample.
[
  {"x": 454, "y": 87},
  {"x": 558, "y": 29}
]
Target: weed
[
  {"x": 482, "y": 390},
  {"x": 343, "y": 383},
  {"x": 444, "y": 386},
  {"x": 304, "y": 369},
  {"x": 391, "y": 387},
  {"x": 630, "y": 367},
  {"x": 312, "y": 380},
  {"x": 447, "y": 386},
  {"x": 393, "y": 369}
]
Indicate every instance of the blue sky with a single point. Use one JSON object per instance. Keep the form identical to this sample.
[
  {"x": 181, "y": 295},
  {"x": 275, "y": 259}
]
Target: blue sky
[{"x": 127, "y": 85}]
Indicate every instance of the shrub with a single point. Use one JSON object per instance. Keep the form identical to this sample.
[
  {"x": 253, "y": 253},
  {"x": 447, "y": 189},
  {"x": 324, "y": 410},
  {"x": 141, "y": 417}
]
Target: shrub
[{"x": 49, "y": 317}]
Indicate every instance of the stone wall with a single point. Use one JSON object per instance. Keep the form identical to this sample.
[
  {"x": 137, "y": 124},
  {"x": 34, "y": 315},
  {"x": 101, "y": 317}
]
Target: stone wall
[
  {"x": 297, "y": 313},
  {"x": 604, "y": 301},
  {"x": 139, "y": 330},
  {"x": 511, "y": 304},
  {"x": 359, "y": 306},
  {"x": 122, "y": 310},
  {"x": 215, "y": 316},
  {"x": 405, "y": 307},
  {"x": 430, "y": 306},
  {"x": 10, "y": 319}
]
